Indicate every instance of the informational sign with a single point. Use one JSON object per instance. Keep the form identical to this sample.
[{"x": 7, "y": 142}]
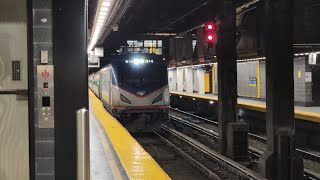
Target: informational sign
[
  {"x": 299, "y": 74},
  {"x": 252, "y": 81},
  {"x": 93, "y": 61},
  {"x": 313, "y": 59},
  {"x": 308, "y": 77},
  {"x": 98, "y": 51}
]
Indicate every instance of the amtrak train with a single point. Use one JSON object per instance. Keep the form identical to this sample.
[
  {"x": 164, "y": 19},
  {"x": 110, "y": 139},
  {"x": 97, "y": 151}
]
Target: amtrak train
[{"x": 135, "y": 90}]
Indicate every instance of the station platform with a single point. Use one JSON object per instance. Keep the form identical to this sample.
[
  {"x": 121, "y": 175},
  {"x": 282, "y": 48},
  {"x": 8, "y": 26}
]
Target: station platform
[
  {"x": 303, "y": 113},
  {"x": 114, "y": 153}
]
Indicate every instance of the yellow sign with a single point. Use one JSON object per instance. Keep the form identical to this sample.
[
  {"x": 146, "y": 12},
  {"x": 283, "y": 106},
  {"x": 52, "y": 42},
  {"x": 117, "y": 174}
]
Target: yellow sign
[{"x": 299, "y": 74}]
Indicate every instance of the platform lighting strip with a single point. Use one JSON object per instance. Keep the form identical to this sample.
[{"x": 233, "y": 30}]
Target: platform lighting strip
[
  {"x": 100, "y": 20},
  {"x": 245, "y": 60}
]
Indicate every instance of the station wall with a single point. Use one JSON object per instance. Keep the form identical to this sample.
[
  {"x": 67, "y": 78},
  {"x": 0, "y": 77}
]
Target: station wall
[{"x": 251, "y": 80}]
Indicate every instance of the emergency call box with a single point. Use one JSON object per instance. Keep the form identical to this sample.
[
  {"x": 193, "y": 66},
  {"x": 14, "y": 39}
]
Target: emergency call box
[{"x": 45, "y": 87}]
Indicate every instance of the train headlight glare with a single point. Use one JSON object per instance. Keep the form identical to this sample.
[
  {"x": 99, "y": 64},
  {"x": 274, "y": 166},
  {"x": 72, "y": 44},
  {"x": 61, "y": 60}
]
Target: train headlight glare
[
  {"x": 157, "y": 99},
  {"x": 124, "y": 99},
  {"x": 139, "y": 61},
  {"x": 136, "y": 61}
]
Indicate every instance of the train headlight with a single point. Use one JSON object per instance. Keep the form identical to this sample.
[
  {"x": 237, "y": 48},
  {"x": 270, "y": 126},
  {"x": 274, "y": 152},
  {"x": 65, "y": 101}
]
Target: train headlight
[
  {"x": 124, "y": 99},
  {"x": 157, "y": 99}
]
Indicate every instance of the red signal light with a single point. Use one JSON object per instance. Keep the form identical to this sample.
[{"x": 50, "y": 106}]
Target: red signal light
[{"x": 210, "y": 34}]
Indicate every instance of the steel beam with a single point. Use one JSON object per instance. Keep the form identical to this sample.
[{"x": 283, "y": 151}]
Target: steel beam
[
  {"x": 280, "y": 160},
  {"x": 227, "y": 70}
]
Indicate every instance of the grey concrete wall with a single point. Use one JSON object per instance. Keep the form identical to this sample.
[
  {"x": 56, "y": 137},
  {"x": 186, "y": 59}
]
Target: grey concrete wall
[
  {"x": 247, "y": 70},
  {"x": 44, "y": 137},
  {"x": 302, "y": 89},
  {"x": 299, "y": 80}
]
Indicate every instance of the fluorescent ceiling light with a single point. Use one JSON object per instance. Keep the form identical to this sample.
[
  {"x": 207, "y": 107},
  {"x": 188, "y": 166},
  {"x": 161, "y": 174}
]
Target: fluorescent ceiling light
[
  {"x": 103, "y": 13},
  {"x": 106, "y": 4},
  {"x": 101, "y": 17},
  {"x": 105, "y": 9},
  {"x": 100, "y": 22}
]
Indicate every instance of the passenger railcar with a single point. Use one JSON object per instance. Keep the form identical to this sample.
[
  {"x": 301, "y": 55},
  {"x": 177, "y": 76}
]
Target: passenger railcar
[
  {"x": 96, "y": 84},
  {"x": 135, "y": 90},
  {"x": 90, "y": 83}
]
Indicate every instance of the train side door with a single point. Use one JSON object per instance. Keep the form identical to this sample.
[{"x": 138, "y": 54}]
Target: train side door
[{"x": 108, "y": 86}]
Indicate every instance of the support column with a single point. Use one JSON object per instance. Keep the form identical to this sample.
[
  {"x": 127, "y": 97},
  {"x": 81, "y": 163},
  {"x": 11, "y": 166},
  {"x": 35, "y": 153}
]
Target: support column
[
  {"x": 42, "y": 26},
  {"x": 227, "y": 71},
  {"x": 189, "y": 79},
  {"x": 280, "y": 161},
  {"x": 180, "y": 82},
  {"x": 71, "y": 80},
  {"x": 200, "y": 74}
]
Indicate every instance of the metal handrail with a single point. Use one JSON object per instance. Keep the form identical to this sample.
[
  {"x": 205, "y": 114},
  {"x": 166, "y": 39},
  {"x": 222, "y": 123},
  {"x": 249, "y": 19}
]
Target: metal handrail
[{"x": 83, "y": 145}]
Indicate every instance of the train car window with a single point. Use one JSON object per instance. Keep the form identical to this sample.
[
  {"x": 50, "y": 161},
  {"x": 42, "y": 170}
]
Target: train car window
[{"x": 143, "y": 76}]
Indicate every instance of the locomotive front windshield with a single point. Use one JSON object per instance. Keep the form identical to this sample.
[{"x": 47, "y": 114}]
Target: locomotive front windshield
[{"x": 142, "y": 76}]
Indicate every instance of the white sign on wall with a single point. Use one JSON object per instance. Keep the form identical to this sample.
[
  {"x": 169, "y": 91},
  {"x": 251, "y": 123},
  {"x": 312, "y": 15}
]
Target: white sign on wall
[
  {"x": 308, "y": 77},
  {"x": 312, "y": 58}
]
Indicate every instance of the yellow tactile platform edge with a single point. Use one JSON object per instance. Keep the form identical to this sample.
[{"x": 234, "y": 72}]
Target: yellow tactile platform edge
[
  {"x": 137, "y": 163},
  {"x": 299, "y": 114}
]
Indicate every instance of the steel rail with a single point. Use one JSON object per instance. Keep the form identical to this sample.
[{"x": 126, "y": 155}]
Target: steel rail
[
  {"x": 256, "y": 153},
  {"x": 304, "y": 153},
  {"x": 191, "y": 160},
  {"x": 218, "y": 158}
]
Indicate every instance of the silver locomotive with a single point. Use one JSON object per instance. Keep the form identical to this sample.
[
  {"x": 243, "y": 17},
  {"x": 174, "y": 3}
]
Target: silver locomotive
[{"x": 135, "y": 90}]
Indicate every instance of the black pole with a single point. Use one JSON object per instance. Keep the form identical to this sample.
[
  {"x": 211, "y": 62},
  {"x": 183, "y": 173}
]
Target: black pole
[
  {"x": 227, "y": 70},
  {"x": 71, "y": 80},
  {"x": 280, "y": 161}
]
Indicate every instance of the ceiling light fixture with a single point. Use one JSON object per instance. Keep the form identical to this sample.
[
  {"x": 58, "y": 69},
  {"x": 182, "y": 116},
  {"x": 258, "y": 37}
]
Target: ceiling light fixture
[
  {"x": 104, "y": 9},
  {"x": 102, "y": 13},
  {"x": 107, "y": 4},
  {"x": 100, "y": 21}
]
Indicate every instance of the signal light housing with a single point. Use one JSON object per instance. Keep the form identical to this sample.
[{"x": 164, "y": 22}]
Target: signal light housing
[{"x": 210, "y": 34}]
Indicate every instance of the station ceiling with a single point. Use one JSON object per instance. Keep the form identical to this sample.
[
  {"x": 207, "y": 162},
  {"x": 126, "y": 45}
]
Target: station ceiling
[{"x": 146, "y": 18}]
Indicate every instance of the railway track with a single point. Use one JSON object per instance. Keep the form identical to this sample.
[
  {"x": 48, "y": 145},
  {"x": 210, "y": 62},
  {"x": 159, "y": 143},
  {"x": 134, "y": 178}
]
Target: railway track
[
  {"x": 209, "y": 128},
  {"x": 203, "y": 158}
]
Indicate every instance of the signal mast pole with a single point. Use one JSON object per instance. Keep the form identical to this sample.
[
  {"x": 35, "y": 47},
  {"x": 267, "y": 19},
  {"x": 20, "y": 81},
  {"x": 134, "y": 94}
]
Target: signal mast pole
[{"x": 227, "y": 70}]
